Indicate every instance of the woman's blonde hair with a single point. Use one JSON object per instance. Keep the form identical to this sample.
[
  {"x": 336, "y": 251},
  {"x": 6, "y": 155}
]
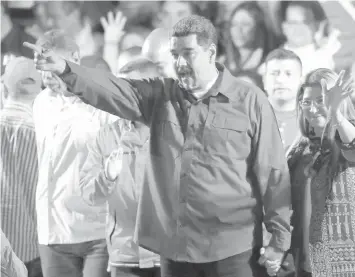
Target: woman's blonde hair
[{"x": 346, "y": 108}]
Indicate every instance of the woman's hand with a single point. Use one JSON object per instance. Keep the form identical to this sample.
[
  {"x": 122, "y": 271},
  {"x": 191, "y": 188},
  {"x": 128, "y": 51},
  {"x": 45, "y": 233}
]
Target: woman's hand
[{"x": 340, "y": 91}]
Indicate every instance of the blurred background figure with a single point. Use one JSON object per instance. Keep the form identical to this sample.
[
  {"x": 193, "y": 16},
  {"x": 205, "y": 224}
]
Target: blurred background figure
[
  {"x": 248, "y": 40},
  {"x": 12, "y": 38},
  {"x": 170, "y": 12},
  {"x": 71, "y": 233},
  {"x": 122, "y": 194},
  {"x": 41, "y": 22},
  {"x": 128, "y": 56},
  {"x": 70, "y": 17},
  {"x": 19, "y": 166},
  {"x": 309, "y": 34},
  {"x": 157, "y": 49}
]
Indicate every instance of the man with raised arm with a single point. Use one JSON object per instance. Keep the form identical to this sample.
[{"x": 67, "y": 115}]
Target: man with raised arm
[{"x": 216, "y": 168}]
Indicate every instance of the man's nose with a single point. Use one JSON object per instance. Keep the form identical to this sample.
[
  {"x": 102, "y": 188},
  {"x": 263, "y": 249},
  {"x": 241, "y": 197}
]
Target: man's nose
[
  {"x": 181, "y": 61},
  {"x": 280, "y": 78}
]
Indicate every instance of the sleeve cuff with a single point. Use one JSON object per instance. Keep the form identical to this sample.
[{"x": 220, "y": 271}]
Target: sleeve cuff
[{"x": 281, "y": 242}]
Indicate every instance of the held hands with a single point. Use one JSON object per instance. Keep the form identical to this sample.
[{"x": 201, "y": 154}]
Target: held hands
[
  {"x": 271, "y": 258},
  {"x": 46, "y": 59},
  {"x": 113, "y": 165},
  {"x": 113, "y": 27},
  {"x": 335, "y": 95}
]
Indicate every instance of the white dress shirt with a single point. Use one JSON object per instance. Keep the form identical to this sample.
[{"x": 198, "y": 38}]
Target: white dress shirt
[{"x": 63, "y": 125}]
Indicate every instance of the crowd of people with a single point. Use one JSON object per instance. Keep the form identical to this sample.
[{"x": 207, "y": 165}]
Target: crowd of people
[{"x": 176, "y": 139}]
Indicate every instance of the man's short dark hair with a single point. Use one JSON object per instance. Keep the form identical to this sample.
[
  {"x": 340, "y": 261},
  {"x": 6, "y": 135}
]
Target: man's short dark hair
[
  {"x": 58, "y": 40},
  {"x": 282, "y": 54},
  {"x": 194, "y": 24}
]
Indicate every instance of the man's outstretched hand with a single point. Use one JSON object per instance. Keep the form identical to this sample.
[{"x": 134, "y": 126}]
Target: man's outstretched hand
[{"x": 46, "y": 59}]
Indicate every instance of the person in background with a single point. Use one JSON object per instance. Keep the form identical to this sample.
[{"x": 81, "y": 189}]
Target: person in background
[
  {"x": 282, "y": 79},
  {"x": 70, "y": 17},
  {"x": 248, "y": 39},
  {"x": 211, "y": 175},
  {"x": 71, "y": 233},
  {"x": 134, "y": 36},
  {"x": 114, "y": 172},
  {"x": 114, "y": 32},
  {"x": 40, "y": 24},
  {"x": 156, "y": 48},
  {"x": 322, "y": 172},
  {"x": 171, "y": 12},
  {"x": 11, "y": 265},
  {"x": 308, "y": 34},
  {"x": 127, "y": 56},
  {"x": 12, "y": 38},
  {"x": 18, "y": 162}
]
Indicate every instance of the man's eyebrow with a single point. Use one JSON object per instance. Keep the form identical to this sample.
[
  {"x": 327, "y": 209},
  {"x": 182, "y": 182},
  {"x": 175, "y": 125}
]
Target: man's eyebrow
[{"x": 186, "y": 48}]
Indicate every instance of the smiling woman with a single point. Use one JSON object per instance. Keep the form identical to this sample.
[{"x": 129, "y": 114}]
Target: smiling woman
[{"x": 322, "y": 176}]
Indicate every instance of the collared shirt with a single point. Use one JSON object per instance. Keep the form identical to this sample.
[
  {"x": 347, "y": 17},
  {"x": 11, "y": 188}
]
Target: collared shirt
[
  {"x": 11, "y": 265},
  {"x": 63, "y": 126},
  {"x": 123, "y": 194},
  {"x": 214, "y": 164},
  {"x": 19, "y": 175}
]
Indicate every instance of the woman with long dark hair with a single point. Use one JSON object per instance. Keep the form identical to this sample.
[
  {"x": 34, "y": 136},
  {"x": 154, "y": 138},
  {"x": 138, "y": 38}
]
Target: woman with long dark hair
[
  {"x": 248, "y": 40},
  {"x": 322, "y": 168}
]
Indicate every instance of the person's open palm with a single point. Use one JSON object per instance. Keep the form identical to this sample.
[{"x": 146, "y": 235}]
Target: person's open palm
[
  {"x": 113, "y": 26},
  {"x": 47, "y": 59},
  {"x": 341, "y": 90}
]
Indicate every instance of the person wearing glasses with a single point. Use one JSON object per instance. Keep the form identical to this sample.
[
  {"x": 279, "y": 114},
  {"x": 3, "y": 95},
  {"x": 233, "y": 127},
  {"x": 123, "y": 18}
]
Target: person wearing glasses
[{"x": 322, "y": 172}]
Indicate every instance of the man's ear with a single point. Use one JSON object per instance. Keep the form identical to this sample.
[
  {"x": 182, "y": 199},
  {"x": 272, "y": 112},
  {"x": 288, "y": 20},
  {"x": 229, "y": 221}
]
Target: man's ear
[{"x": 213, "y": 52}]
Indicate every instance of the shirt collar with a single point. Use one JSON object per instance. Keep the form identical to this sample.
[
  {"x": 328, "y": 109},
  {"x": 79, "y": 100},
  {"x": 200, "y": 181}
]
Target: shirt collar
[{"x": 222, "y": 85}]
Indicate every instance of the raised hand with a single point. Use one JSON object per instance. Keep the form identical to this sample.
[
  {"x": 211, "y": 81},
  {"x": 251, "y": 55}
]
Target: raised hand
[
  {"x": 113, "y": 165},
  {"x": 340, "y": 91},
  {"x": 46, "y": 59},
  {"x": 113, "y": 27}
]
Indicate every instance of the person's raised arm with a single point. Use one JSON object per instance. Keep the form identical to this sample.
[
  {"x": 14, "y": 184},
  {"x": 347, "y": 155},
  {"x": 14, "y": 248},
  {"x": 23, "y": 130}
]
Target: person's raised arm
[
  {"x": 113, "y": 33},
  {"x": 130, "y": 99}
]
